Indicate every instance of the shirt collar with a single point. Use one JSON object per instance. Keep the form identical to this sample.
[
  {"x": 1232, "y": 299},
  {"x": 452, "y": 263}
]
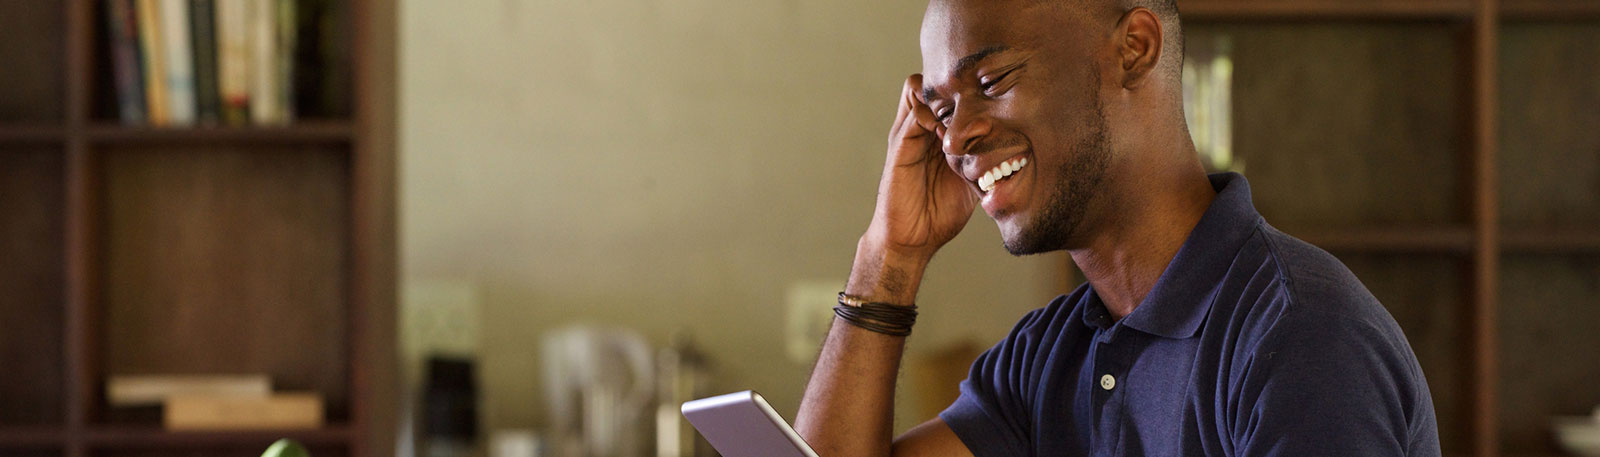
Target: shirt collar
[{"x": 1180, "y": 300}]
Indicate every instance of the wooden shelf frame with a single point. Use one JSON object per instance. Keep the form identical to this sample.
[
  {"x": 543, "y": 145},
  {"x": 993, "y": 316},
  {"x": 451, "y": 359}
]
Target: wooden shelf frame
[
  {"x": 364, "y": 426},
  {"x": 1483, "y": 237},
  {"x": 1379, "y": 10},
  {"x": 300, "y": 132},
  {"x": 155, "y": 437}
]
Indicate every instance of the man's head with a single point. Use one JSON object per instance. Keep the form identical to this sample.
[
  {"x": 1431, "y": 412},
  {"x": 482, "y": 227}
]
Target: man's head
[{"x": 1065, "y": 88}]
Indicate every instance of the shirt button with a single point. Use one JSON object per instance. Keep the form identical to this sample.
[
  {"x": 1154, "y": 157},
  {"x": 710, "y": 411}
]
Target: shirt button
[{"x": 1107, "y": 382}]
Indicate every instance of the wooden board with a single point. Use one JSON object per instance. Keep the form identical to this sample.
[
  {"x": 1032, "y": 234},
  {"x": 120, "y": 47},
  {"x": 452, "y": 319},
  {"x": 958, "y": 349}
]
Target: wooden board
[
  {"x": 228, "y": 260},
  {"x": 31, "y": 275},
  {"x": 31, "y": 61},
  {"x": 1348, "y": 124},
  {"x": 1550, "y": 347},
  {"x": 1550, "y": 125}
]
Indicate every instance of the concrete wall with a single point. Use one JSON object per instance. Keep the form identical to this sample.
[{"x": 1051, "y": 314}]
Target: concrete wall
[{"x": 664, "y": 165}]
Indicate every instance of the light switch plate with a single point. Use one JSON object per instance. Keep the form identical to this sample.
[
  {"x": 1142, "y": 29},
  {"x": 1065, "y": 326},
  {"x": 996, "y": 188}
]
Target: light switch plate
[{"x": 810, "y": 311}]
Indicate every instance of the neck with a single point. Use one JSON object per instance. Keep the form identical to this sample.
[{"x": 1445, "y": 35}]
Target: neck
[{"x": 1123, "y": 258}]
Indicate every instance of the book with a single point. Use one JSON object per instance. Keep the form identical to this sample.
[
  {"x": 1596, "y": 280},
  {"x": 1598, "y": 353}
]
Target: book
[
  {"x": 265, "y": 108},
  {"x": 225, "y": 412},
  {"x": 149, "y": 390},
  {"x": 155, "y": 64},
  {"x": 203, "y": 39},
  {"x": 123, "y": 29},
  {"x": 233, "y": 59},
  {"x": 179, "y": 61}
]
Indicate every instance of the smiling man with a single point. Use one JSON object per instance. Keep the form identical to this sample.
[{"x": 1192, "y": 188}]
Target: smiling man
[{"x": 1202, "y": 330}]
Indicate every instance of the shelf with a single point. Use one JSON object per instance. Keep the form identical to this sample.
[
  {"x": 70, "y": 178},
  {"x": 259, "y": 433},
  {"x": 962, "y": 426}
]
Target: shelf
[
  {"x": 1225, "y": 10},
  {"x": 312, "y": 131},
  {"x": 1559, "y": 10},
  {"x": 1553, "y": 240},
  {"x": 32, "y": 133},
  {"x": 1230, "y": 10},
  {"x": 1403, "y": 239},
  {"x": 30, "y": 436},
  {"x": 149, "y": 436}
]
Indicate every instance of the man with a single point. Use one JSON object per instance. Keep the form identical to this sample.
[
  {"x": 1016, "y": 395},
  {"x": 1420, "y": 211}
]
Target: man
[{"x": 1201, "y": 331}]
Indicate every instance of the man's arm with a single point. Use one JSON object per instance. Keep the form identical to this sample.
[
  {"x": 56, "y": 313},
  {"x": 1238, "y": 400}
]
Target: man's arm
[{"x": 848, "y": 408}]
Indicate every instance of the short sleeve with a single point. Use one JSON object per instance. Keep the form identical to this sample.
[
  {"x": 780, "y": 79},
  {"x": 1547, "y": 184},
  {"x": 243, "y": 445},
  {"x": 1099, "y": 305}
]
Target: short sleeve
[
  {"x": 1334, "y": 386},
  {"x": 994, "y": 414}
]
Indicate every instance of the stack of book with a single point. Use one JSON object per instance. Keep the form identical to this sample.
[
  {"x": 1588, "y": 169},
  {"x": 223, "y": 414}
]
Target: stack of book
[
  {"x": 217, "y": 402},
  {"x": 215, "y": 62}
]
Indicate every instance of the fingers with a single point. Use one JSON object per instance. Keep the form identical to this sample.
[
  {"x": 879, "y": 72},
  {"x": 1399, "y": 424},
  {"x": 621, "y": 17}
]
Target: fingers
[{"x": 915, "y": 118}]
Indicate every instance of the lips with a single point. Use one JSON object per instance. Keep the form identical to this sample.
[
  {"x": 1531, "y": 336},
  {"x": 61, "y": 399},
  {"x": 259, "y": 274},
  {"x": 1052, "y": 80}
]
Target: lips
[{"x": 1004, "y": 185}]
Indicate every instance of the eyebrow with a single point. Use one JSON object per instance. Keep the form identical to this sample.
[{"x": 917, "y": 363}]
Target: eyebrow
[{"x": 964, "y": 64}]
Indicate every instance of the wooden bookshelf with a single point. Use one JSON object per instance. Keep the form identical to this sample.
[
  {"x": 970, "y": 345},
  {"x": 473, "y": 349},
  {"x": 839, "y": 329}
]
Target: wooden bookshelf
[
  {"x": 204, "y": 249},
  {"x": 1446, "y": 150}
]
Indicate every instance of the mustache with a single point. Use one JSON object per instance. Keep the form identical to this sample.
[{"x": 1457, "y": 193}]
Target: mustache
[{"x": 987, "y": 146}]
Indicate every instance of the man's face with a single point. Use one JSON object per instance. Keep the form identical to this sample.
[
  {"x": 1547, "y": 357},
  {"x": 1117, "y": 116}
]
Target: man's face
[{"x": 1016, "y": 84}]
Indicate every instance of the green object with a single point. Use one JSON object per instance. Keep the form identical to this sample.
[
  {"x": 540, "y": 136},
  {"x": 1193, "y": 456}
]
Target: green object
[{"x": 286, "y": 448}]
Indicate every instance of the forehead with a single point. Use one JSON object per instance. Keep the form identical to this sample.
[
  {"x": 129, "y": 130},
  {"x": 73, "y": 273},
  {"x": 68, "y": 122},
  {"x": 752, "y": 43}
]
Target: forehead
[{"x": 952, "y": 29}]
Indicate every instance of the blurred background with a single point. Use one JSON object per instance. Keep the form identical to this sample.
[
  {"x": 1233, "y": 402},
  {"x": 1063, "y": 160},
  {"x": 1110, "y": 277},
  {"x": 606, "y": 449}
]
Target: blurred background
[{"x": 526, "y": 227}]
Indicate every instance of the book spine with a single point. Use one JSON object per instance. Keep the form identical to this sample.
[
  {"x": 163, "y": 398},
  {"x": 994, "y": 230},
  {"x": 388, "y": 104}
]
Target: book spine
[
  {"x": 125, "y": 61},
  {"x": 203, "y": 31},
  {"x": 155, "y": 95},
  {"x": 233, "y": 60},
  {"x": 264, "y": 108},
  {"x": 180, "y": 61}
]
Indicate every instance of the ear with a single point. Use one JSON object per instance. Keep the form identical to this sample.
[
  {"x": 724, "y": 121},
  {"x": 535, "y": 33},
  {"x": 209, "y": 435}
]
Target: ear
[{"x": 1138, "y": 45}]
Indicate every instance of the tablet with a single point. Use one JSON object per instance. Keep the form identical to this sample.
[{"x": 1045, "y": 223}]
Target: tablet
[{"x": 742, "y": 424}]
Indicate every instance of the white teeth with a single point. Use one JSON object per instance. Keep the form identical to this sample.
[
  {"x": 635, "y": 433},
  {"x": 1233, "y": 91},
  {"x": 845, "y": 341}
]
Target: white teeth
[{"x": 1005, "y": 169}]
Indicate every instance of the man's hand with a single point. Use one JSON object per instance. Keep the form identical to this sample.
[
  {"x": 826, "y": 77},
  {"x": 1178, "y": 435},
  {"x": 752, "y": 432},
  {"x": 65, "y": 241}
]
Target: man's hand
[
  {"x": 848, "y": 409},
  {"x": 922, "y": 204}
]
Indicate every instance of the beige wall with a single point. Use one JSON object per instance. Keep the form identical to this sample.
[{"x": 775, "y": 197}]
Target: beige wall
[{"x": 665, "y": 164}]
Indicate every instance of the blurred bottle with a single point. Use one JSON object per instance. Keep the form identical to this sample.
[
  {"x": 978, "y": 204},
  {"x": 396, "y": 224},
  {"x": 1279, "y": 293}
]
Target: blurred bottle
[
  {"x": 683, "y": 373},
  {"x": 599, "y": 383},
  {"x": 450, "y": 409}
]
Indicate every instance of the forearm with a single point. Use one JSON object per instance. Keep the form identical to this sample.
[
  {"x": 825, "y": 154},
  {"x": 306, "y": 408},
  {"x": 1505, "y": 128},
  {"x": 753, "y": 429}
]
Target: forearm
[{"x": 848, "y": 408}]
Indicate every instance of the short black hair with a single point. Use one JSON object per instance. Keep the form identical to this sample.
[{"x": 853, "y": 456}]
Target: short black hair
[{"x": 1166, "y": 11}]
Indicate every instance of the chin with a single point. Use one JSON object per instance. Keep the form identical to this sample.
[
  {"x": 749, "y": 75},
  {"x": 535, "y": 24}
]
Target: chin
[{"x": 1016, "y": 239}]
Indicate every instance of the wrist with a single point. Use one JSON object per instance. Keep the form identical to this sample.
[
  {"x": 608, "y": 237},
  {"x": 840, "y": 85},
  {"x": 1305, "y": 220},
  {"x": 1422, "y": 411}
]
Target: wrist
[{"x": 884, "y": 274}]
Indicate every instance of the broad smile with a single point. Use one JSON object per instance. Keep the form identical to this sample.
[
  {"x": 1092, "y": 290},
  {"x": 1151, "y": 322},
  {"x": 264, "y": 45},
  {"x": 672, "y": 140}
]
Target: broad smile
[{"x": 1002, "y": 186}]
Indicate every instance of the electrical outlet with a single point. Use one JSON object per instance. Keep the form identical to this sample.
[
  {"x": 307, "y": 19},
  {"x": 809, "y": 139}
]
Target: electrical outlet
[
  {"x": 810, "y": 312},
  {"x": 438, "y": 317}
]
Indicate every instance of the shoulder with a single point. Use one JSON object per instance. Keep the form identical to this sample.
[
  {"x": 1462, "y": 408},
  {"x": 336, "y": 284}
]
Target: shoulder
[{"x": 1281, "y": 287}]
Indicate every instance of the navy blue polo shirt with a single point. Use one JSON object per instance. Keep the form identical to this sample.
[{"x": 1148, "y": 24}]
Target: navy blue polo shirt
[{"x": 1251, "y": 343}]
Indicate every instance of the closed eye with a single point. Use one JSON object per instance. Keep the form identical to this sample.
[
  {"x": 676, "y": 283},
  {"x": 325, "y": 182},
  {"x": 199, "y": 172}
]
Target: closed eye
[{"x": 987, "y": 85}]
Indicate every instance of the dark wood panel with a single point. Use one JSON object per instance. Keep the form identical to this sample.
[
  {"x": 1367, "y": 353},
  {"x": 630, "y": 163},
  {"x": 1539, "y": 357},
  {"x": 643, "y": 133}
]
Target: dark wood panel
[
  {"x": 32, "y": 60},
  {"x": 31, "y": 284},
  {"x": 1549, "y": 111},
  {"x": 244, "y": 449},
  {"x": 1549, "y": 306},
  {"x": 1452, "y": 239},
  {"x": 1205, "y": 10},
  {"x": 34, "y": 452},
  {"x": 156, "y": 437},
  {"x": 1425, "y": 294},
  {"x": 1561, "y": 10},
  {"x": 302, "y": 132},
  {"x": 1348, "y": 124},
  {"x": 228, "y": 260}
]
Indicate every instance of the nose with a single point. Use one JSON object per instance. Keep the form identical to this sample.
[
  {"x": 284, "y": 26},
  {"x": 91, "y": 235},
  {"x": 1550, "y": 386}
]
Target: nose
[{"x": 968, "y": 125}]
